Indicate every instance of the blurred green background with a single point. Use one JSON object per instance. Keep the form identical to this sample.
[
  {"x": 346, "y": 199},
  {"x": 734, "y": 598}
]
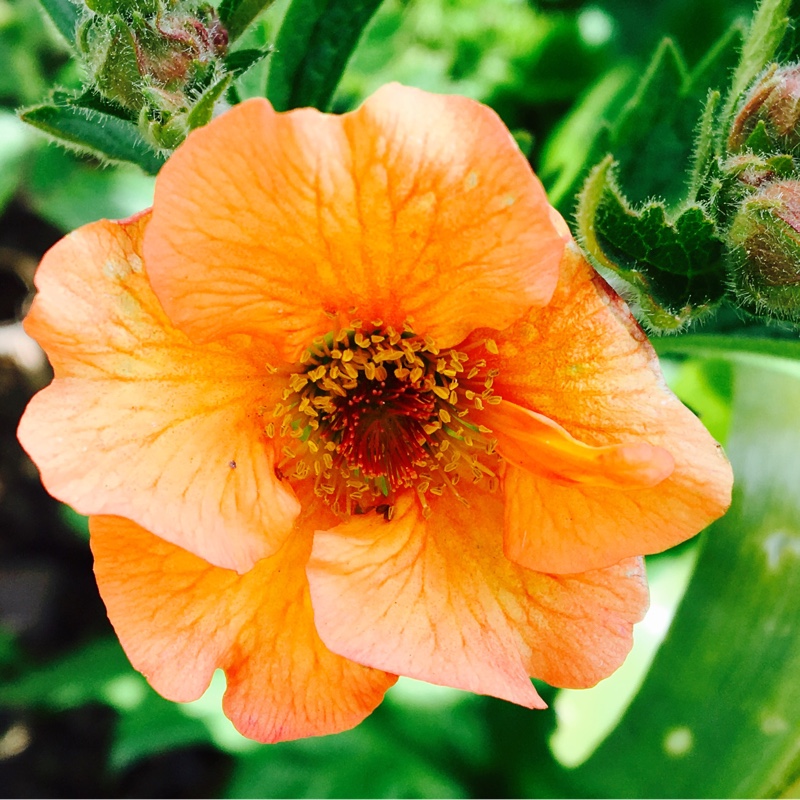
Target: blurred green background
[{"x": 716, "y": 712}]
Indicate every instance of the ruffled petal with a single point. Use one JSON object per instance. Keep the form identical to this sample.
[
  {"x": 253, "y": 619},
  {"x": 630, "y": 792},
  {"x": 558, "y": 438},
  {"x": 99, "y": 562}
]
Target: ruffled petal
[
  {"x": 142, "y": 423},
  {"x": 436, "y": 600},
  {"x": 584, "y": 364},
  {"x": 179, "y": 618},
  {"x": 416, "y": 207}
]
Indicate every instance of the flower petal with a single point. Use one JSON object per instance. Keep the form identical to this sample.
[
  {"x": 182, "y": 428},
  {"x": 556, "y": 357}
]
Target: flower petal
[
  {"x": 414, "y": 207},
  {"x": 583, "y": 363},
  {"x": 435, "y": 599},
  {"x": 179, "y": 618},
  {"x": 139, "y": 421},
  {"x": 539, "y": 445}
]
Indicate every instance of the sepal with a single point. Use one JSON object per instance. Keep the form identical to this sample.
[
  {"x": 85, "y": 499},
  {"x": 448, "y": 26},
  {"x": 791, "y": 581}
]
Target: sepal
[{"x": 669, "y": 265}]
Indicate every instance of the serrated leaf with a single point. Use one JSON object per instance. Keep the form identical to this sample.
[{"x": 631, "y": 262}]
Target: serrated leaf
[
  {"x": 90, "y": 131},
  {"x": 717, "y": 714},
  {"x": 238, "y": 62},
  {"x": 65, "y": 15},
  {"x": 673, "y": 266},
  {"x": 314, "y": 44},
  {"x": 236, "y": 15}
]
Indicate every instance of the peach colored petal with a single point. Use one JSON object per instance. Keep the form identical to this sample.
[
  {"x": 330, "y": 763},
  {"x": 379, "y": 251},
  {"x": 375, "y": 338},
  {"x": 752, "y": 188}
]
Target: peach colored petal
[
  {"x": 179, "y": 618},
  {"x": 435, "y": 599},
  {"x": 585, "y": 364},
  {"x": 139, "y": 421},
  {"x": 539, "y": 445},
  {"x": 415, "y": 206}
]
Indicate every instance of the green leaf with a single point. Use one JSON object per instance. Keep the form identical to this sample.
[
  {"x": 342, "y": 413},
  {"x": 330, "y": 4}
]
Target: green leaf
[
  {"x": 93, "y": 100},
  {"x": 238, "y": 62},
  {"x": 644, "y": 139},
  {"x": 65, "y": 15},
  {"x": 782, "y": 355},
  {"x": 767, "y": 29},
  {"x": 89, "y": 131},
  {"x": 717, "y": 714},
  {"x": 236, "y": 15},
  {"x": 314, "y": 44},
  {"x": 203, "y": 108},
  {"x": 704, "y": 158},
  {"x": 673, "y": 266},
  {"x": 653, "y": 138}
]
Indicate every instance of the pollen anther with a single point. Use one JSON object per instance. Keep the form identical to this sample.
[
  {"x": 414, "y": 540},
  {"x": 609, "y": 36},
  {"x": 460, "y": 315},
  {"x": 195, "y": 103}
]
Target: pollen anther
[{"x": 371, "y": 412}]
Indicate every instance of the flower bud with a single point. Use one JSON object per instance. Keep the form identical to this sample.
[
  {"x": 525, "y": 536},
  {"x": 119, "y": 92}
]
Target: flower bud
[
  {"x": 155, "y": 61},
  {"x": 118, "y": 76},
  {"x": 775, "y": 102},
  {"x": 764, "y": 250}
]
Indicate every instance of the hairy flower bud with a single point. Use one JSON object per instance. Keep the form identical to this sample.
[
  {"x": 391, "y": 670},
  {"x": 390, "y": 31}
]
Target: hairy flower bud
[
  {"x": 157, "y": 61},
  {"x": 770, "y": 115},
  {"x": 764, "y": 250}
]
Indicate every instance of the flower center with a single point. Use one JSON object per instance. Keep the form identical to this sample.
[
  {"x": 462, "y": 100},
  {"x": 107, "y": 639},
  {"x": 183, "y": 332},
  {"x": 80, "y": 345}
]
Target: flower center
[{"x": 371, "y": 411}]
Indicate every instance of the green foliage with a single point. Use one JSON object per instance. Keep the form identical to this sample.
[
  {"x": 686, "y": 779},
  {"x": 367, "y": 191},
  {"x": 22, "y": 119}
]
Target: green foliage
[
  {"x": 85, "y": 130},
  {"x": 718, "y": 711},
  {"x": 16, "y": 146},
  {"x": 360, "y": 763},
  {"x": 422, "y": 742},
  {"x": 673, "y": 265},
  {"x": 80, "y": 677},
  {"x": 314, "y": 44},
  {"x": 236, "y": 15},
  {"x": 240, "y": 61},
  {"x": 669, "y": 205},
  {"x": 66, "y": 15},
  {"x": 579, "y": 140},
  {"x": 782, "y": 355},
  {"x": 150, "y": 724},
  {"x": 68, "y": 192},
  {"x": 766, "y": 33}
]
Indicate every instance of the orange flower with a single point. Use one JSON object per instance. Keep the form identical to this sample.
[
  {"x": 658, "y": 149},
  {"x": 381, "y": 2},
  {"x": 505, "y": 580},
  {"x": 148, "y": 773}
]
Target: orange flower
[{"x": 348, "y": 404}]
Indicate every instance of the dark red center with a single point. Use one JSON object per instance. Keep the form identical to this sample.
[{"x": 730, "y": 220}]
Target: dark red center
[{"x": 379, "y": 427}]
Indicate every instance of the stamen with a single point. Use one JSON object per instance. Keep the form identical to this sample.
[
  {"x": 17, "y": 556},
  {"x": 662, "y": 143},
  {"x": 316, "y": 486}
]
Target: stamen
[{"x": 371, "y": 411}]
